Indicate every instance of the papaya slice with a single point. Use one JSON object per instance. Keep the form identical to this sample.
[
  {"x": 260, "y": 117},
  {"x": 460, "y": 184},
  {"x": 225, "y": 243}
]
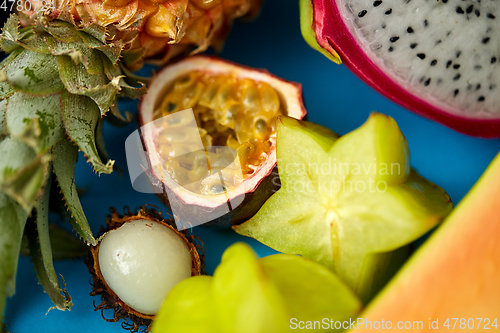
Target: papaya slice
[{"x": 454, "y": 274}]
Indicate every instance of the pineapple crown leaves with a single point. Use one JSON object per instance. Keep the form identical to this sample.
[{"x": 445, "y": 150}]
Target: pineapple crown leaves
[
  {"x": 65, "y": 59},
  {"x": 58, "y": 82},
  {"x": 60, "y": 37}
]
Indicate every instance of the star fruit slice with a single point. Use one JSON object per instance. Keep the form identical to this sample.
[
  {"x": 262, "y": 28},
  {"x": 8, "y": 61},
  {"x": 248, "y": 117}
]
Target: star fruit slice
[
  {"x": 352, "y": 204},
  {"x": 247, "y": 294}
]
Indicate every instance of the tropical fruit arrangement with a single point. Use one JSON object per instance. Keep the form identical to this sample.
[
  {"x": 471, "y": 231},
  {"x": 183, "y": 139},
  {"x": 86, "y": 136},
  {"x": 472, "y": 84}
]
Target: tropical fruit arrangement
[{"x": 363, "y": 237}]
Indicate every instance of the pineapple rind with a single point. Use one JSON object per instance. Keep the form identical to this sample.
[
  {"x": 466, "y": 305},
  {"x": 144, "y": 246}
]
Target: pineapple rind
[{"x": 159, "y": 29}]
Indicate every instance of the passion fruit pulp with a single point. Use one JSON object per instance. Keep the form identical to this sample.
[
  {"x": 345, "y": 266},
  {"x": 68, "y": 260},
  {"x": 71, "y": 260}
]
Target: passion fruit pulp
[
  {"x": 137, "y": 260},
  {"x": 236, "y": 113},
  {"x": 225, "y": 170}
]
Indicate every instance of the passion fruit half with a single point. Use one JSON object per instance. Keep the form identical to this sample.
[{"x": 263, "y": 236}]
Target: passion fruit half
[
  {"x": 138, "y": 259},
  {"x": 235, "y": 109}
]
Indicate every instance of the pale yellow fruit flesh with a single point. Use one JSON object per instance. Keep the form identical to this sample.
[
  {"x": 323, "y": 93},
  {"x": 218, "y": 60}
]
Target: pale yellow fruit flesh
[
  {"x": 142, "y": 261},
  {"x": 229, "y": 111}
]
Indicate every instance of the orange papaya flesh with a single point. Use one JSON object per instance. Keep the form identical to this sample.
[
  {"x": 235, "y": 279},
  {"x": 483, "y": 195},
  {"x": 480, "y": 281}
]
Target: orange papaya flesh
[{"x": 454, "y": 274}]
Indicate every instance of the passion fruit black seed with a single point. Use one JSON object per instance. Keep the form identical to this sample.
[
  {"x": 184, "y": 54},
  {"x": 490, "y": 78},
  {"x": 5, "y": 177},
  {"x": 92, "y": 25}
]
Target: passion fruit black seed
[{"x": 138, "y": 259}]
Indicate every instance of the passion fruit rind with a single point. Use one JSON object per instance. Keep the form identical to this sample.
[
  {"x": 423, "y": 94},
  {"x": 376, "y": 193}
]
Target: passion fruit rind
[
  {"x": 241, "y": 202},
  {"x": 134, "y": 320},
  {"x": 250, "y": 202}
]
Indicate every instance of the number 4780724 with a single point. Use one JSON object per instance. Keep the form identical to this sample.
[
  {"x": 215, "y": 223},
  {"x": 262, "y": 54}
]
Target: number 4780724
[
  {"x": 26, "y": 5},
  {"x": 471, "y": 323}
]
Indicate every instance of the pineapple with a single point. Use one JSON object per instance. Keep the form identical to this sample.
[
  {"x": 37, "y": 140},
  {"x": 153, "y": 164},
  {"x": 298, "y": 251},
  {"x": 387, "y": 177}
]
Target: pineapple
[
  {"x": 160, "y": 29},
  {"x": 67, "y": 65}
]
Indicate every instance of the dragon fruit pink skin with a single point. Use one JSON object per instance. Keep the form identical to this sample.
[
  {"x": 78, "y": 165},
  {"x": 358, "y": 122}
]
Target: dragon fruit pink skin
[{"x": 325, "y": 29}]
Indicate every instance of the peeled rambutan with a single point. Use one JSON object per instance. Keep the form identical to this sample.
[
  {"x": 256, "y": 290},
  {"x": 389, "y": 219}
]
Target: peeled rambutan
[{"x": 137, "y": 260}]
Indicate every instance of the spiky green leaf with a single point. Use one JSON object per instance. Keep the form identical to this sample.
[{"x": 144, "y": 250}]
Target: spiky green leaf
[
  {"x": 34, "y": 73},
  {"x": 34, "y": 43},
  {"x": 80, "y": 116},
  {"x": 133, "y": 79},
  {"x": 65, "y": 157},
  {"x": 22, "y": 171},
  {"x": 110, "y": 70},
  {"x": 75, "y": 77},
  {"x": 25, "y": 32},
  {"x": 63, "y": 31},
  {"x": 96, "y": 31},
  {"x": 133, "y": 55},
  {"x": 96, "y": 86},
  {"x": 13, "y": 219},
  {"x": 27, "y": 37},
  {"x": 89, "y": 40},
  {"x": 67, "y": 16},
  {"x": 104, "y": 96},
  {"x": 132, "y": 92},
  {"x": 25, "y": 185},
  {"x": 78, "y": 52},
  {"x": 131, "y": 85},
  {"x": 111, "y": 51},
  {"x": 35, "y": 119},
  {"x": 92, "y": 61},
  {"x": 116, "y": 119},
  {"x": 42, "y": 225},
  {"x": 15, "y": 156},
  {"x": 8, "y": 38},
  {"x": 44, "y": 270}
]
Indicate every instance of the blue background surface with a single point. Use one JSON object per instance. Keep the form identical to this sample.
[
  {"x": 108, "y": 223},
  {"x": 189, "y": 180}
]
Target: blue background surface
[{"x": 334, "y": 98}]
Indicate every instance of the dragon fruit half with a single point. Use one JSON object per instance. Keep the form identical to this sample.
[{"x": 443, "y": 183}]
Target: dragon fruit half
[{"x": 440, "y": 59}]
